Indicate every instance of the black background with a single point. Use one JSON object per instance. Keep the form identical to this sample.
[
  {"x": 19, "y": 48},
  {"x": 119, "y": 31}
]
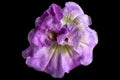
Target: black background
[{"x": 21, "y": 15}]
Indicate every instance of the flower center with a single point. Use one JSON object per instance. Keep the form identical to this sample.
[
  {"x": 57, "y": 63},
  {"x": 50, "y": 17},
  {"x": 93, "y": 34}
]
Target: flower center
[
  {"x": 53, "y": 36},
  {"x": 66, "y": 39}
]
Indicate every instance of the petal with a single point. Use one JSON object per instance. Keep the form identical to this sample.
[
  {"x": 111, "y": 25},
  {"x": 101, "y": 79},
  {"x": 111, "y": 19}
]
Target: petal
[
  {"x": 40, "y": 58},
  {"x": 73, "y": 13},
  {"x": 63, "y": 60},
  {"x": 70, "y": 60},
  {"x": 72, "y": 10},
  {"x": 27, "y": 52},
  {"x": 89, "y": 37},
  {"x": 54, "y": 67},
  {"x": 74, "y": 35},
  {"x": 46, "y": 59},
  {"x": 54, "y": 12},
  {"x": 87, "y": 54},
  {"x": 87, "y": 43},
  {"x": 31, "y": 35},
  {"x": 83, "y": 21},
  {"x": 39, "y": 21},
  {"x": 40, "y": 38}
]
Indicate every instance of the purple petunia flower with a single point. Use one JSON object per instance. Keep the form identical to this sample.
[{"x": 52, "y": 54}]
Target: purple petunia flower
[{"x": 61, "y": 41}]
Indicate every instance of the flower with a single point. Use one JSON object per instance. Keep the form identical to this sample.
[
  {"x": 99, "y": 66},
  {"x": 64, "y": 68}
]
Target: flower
[{"x": 61, "y": 41}]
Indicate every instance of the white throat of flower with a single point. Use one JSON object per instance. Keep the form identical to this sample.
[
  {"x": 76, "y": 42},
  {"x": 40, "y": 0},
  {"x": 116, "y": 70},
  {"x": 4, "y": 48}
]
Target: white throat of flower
[{"x": 69, "y": 18}]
